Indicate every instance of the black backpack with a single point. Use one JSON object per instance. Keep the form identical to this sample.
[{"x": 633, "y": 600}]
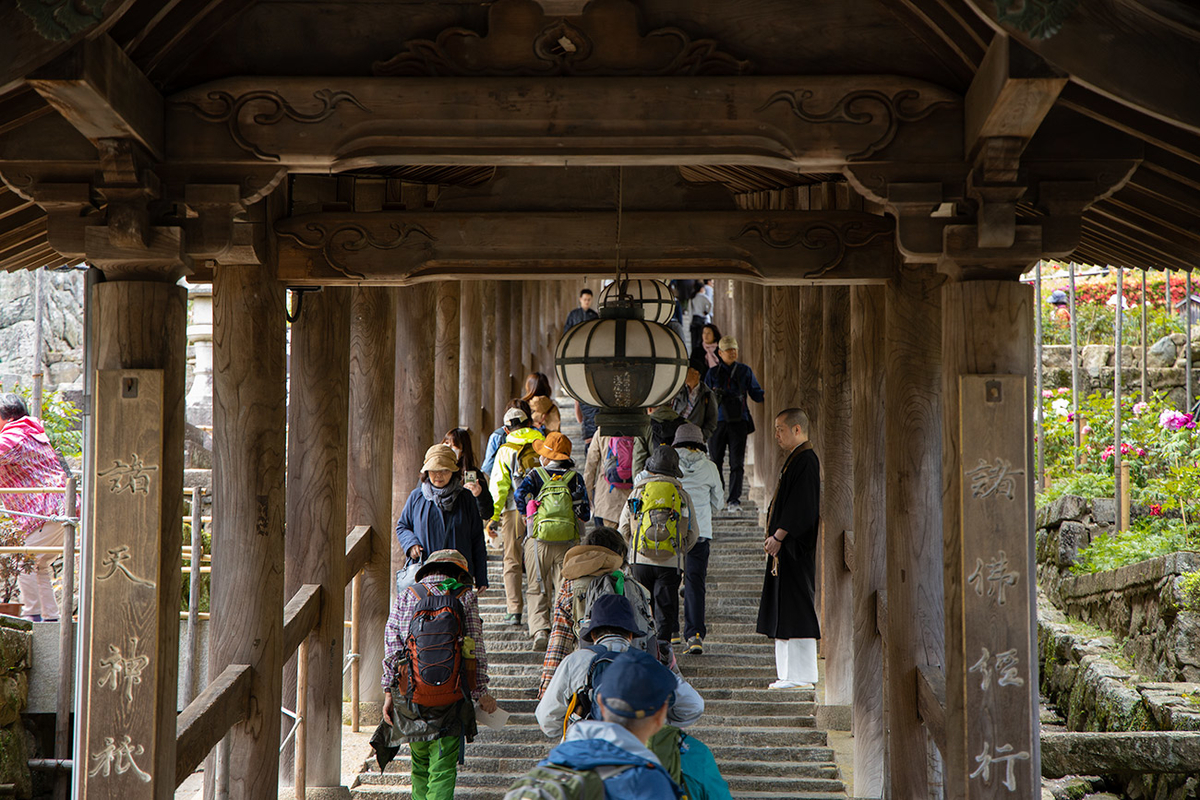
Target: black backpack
[{"x": 662, "y": 431}]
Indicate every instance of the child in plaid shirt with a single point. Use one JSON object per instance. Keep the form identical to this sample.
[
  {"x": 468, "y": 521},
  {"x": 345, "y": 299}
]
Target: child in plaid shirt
[{"x": 435, "y": 734}]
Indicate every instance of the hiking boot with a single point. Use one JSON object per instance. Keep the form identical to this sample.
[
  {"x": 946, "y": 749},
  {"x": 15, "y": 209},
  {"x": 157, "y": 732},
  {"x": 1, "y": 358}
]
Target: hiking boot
[
  {"x": 695, "y": 645},
  {"x": 512, "y": 619},
  {"x": 676, "y": 639},
  {"x": 734, "y": 508},
  {"x": 540, "y": 641}
]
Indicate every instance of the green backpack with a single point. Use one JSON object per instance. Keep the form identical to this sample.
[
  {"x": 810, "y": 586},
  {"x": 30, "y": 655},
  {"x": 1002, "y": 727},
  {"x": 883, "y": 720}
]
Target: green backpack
[
  {"x": 657, "y": 509},
  {"x": 554, "y": 782},
  {"x": 554, "y": 520}
]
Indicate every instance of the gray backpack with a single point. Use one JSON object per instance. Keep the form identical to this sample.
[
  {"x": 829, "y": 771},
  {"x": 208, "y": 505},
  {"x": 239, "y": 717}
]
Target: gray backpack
[{"x": 555, "y": 782}]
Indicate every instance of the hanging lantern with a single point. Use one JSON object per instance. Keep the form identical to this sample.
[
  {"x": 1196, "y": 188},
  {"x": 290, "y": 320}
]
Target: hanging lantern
[
  {"x": 621, "y": 364},
  {"x": 655, "y": 297}
]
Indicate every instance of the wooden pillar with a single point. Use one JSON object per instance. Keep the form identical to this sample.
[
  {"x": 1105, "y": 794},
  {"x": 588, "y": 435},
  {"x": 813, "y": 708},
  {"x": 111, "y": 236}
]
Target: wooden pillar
[
  {"x": 914, "y": 537},
  {"x": 369, "y": 479},
  {"x": 837, "y": 497},
  {"x": 868, "y": 433},
  {"x": 249, "y": 441},
  {"x": 414, "y": 395},
  {"x": 316, "y": 515},
  {"x": 518, "y": 354},
  {"x": 987, "y": 512},
  {"x": 752, "y": 351},
  {"x": 470, "y": 362},
  {"x": 811, "y": 336},
  {"x": 445, "y": 357},
  {"x": 529, "y": 354},
  {"x": 136, "y": 529},
  {"x": 780, "y": 372},
  {"x": 489, "y": 412},
  {"x": 502, "y": 390}
]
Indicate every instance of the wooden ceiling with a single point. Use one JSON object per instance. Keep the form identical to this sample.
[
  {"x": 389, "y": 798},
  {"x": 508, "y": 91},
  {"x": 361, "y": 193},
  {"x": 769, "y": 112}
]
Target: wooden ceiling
[{"x": 1152, "y": 222}]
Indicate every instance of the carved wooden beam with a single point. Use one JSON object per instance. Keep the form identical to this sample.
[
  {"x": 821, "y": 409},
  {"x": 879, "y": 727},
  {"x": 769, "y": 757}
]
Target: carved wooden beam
[
  {"x": 103, "y": 94},
  {"x": 771, "y": 247},
  {"x": 814, "y": 123},
  {"x": 1011, "y": 94}
]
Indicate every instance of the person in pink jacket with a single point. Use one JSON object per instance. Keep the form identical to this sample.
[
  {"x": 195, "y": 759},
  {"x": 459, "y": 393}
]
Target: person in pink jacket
[{"x": 27, "y": 459}]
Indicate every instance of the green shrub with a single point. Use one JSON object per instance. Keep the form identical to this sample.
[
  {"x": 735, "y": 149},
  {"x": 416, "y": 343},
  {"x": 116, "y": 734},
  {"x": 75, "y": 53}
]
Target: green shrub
[
  {"x": 1190, "y": 584},
  {"x": 1148, "y": 537}
]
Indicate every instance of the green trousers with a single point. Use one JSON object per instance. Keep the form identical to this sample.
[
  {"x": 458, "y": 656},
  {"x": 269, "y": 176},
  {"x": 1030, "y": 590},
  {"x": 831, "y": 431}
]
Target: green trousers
[{"x": 434, "y": 768}]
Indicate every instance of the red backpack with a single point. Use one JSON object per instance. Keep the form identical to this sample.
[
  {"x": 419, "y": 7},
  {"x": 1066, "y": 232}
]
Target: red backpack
[
  {"x": 618, "y": 462},
  {"x": 434, "y": 648}
]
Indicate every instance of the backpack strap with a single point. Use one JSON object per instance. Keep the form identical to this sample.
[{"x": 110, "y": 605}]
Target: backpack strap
[{"x": 419, "y": 590}]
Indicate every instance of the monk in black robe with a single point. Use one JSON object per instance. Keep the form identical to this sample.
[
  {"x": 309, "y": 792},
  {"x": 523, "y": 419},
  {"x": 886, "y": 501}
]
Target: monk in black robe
[{"x": 787, "y": 612}]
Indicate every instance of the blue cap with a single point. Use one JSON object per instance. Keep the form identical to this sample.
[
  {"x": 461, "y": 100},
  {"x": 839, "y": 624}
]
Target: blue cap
[
  {"x": 635, "y": 685},
  {"x": 611, "y": 611}
]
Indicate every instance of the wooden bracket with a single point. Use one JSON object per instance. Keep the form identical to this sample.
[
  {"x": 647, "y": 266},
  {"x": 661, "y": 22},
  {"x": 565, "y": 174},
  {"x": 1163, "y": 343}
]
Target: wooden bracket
[
  {"x": 1012, "y": 93},
  {"x": 848, "y": 550},
  {"x": 99, "y": 90},
  {"x": 222, "y": 704}
]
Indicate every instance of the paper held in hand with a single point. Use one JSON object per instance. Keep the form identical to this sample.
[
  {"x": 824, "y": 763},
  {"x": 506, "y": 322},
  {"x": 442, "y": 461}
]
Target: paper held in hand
[{"x": 495, "y": 720}]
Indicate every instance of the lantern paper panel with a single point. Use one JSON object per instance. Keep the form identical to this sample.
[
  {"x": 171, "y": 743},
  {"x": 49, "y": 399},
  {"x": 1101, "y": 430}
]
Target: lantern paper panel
[
  {"x": 655, "y": 298},
  {"x": 621, "y": 363}
]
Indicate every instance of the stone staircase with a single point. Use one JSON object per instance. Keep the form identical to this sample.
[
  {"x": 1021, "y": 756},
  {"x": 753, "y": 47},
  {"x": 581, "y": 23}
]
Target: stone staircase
[{"x": 766, "y": 742}]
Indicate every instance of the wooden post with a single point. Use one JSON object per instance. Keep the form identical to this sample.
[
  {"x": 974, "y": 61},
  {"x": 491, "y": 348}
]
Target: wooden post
[
  {"x": 987, "y": 513},
  {"x": 136, "y": 531},
  {"x": 811, "y": 336},
  {"x": 752, "y": 351},
  {"x": 470, "y": 360},
  {"x": 868, "y": 433},
  {"x": 518, "y": 357},
  {"x": 1119, "y": 310},
  {"x": 489, "y": 412},
  {"x": 249, "y": 432},
  {"x": 781, "y": 371},
  {"x": 1075, "y": 362},
  {"x": 837, "y": 497},
  {"x": 355, "y": 652},
  {"x": 502, "y": 388},
  {"x": 914, "y": 526},
  {"x": 300, "y": 774},
  {"x": 445, "y": 356},
  {"x": 414, "y": 395},
  {"x": 316, "y": 513},
  {"x": 1123, "y": 523},
  {"x": 39, "y": 343},
  {"x": 369, "y": 479}
]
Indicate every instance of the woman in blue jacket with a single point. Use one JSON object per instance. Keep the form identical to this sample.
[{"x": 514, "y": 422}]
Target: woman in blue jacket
[{"x": 441, "y": 515}]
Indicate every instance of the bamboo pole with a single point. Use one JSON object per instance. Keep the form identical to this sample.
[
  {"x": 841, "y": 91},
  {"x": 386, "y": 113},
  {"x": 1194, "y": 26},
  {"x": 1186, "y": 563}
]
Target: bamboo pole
[
  {"x": 301, "y": 721},
  {"x": 66, "y": 645},
  {"x": 1037, "y": 339},
  {"x": 1145, "y": 331},
  {"x": 1187, "y": 321},
  {"x": 189, "y": 644},
  {"x": 1120, "y": 312},
  {"x": 355, "y": 657},
  {"x": 39, "y": 344},
  {"x": 1124, "y": 508},
  {"x": 1075, "y": 365}
]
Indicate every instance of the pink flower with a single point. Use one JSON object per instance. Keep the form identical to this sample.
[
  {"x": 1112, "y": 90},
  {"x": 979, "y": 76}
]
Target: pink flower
[
  {"x": 1138, "y": 408},
  {"x": 1047, "y": 393},
  {"x": 1064, "y": 390},
  {"x": 1087, "y": 430},
  {"x": 1141, "y": 452},
  {"x": 1071, "y": 416},
  {"x": 1175, "y": 420},
  {"x": 1155, "y": 510},
  {"x": 1107, "y": 454}
]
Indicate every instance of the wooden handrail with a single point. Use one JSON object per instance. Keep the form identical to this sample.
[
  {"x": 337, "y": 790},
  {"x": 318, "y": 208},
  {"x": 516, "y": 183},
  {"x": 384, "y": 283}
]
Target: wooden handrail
[
  {"x": 931, "y": 703},
  {"x": 34, "y": 490},
  {"x": 223, "y": 703},
  {"x": 300, "y": 616},
  {"x": 358, "y": 550}
]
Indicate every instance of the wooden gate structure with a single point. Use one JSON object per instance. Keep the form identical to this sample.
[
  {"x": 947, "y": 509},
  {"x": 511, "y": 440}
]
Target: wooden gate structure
[{"x": 871, "y": 176}]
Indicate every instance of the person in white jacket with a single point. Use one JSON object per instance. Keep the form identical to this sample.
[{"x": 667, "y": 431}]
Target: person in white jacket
[
  {"x": 702, "y": 481},
  {"x": 612, "y": 628}
]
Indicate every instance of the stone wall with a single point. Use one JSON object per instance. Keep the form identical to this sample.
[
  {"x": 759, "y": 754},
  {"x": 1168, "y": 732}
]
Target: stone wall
[
  {"x": 1166, "y": 361},
  {"x": 62, "y": 326},
  {"x": 1085, "y": 675},
  {"x": 15, "y": 639},
  {"x": 1142, "y": 604}
]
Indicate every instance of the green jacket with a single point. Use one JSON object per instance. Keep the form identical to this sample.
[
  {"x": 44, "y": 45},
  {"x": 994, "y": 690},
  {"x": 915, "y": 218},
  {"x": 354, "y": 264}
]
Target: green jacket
[{"x": 501, "y": 485}]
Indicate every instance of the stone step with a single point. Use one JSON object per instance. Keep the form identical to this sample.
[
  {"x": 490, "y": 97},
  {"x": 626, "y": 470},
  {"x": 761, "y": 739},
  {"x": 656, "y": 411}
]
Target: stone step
[
  {"x": 369, "y": 792},
  {"x": 725, "y": 708},
  {"x": 471, "y": 779}
]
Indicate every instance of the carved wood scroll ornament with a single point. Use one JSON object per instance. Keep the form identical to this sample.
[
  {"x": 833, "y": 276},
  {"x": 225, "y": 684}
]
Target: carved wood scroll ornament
[
  {"x": 59, "y": 20},
  {"x": 862, "y": 107},
  {"x": 223, "y": 107},
  {"x": 522, "y": 41},
  {"x": 818, "y": 236},
  {"x": 350, "y": 238}
]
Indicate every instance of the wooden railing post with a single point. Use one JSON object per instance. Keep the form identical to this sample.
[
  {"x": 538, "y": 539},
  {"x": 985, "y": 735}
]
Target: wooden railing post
[{"x": 66, "y": 643}]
